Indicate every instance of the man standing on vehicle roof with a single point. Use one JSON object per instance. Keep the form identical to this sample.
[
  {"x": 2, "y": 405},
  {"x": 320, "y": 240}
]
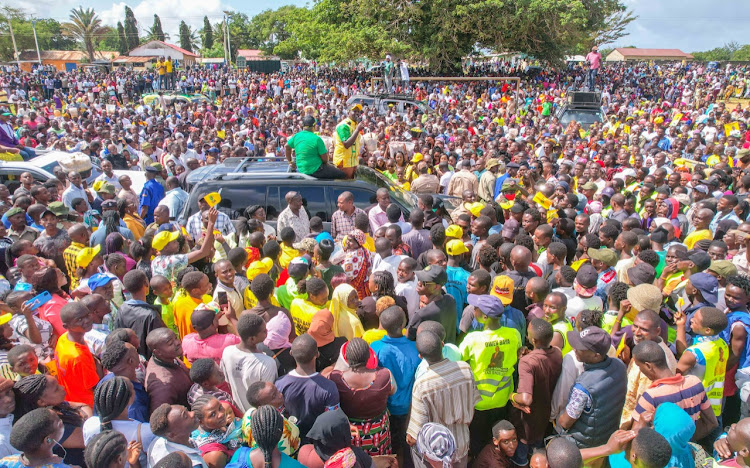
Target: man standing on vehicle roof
[
  {"x": 348, "y": 141},
  {"x": 388, "y": 74},
  {"x": 594, "y": 59},
  {"x": 311, "y": 154}
]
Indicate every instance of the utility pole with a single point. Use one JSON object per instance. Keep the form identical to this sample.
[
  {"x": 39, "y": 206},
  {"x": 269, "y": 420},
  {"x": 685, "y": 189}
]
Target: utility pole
[
  {"x": 224, "y": 39},
  {"x": 13, "y": 37},
  {"x": 228, "y": 14},
  {"x": 36, "y": 41}
]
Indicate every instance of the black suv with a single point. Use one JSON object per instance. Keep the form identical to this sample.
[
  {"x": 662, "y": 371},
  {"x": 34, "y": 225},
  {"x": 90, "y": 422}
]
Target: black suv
[{"x": 246, "y": 182}]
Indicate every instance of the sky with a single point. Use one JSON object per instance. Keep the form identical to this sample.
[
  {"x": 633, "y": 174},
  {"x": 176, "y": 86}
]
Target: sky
[{"x": 690, "y": 25}]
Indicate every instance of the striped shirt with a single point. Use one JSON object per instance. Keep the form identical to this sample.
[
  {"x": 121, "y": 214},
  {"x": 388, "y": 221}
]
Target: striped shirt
[
  {"x": 445, "y": 394},
  {"x": 687, "y": 392},
  {"x": 69, "y": 255}
]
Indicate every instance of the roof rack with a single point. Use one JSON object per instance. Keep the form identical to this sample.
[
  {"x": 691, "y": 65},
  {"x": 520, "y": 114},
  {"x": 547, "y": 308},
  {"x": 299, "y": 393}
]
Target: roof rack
[{"x": 285, "y": 175}]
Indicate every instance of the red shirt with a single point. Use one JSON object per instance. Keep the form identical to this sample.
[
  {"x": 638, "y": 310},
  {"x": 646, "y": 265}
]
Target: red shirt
[{"x": 76, "y": 370}]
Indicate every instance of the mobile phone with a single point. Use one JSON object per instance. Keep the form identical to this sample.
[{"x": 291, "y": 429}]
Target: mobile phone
[
  {"x": 223, "y": 299},
  {"x": 39, "y": 300}
]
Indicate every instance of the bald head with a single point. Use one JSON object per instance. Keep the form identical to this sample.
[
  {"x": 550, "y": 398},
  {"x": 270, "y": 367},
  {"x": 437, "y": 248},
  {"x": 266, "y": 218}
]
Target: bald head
[
  {"x": 520, "y": 258},
  {"x": 172, "y": 182}
]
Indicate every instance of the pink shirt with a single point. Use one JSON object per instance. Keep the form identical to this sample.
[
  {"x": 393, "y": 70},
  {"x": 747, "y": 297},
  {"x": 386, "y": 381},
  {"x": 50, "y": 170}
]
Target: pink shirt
[
  {"x": 193, "y": 347},
  {"x": 595, "y": 59}
]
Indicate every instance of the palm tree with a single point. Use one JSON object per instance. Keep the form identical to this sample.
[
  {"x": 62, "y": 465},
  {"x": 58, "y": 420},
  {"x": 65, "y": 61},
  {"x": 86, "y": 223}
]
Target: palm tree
[{"x": 84, "y": 26}]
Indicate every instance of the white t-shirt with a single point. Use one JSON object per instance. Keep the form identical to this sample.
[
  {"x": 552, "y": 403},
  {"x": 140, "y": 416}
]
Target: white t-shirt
[
  {"x": 161, "y": 447},
  {"x": 578, "y": 303},
  {"x": 242, "y": 369}
]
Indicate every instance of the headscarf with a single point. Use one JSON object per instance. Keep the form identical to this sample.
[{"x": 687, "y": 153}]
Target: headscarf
[
  {"x": 278, "y": 329},
  {"x": 321, "y": 327},
  {"x": 437, "y": 443},
  {"x": 357, "y": 262},
  {"x": 678, "y": 428},
  {"x": 331, "y": 434},
  {"x": 345, "y": 320}
]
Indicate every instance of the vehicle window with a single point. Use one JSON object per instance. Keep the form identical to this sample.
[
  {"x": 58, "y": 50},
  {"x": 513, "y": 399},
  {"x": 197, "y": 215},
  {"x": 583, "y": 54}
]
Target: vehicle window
[
  {"x": 313, "y": 200},
  {"x": 362, "y": 198},
  {"x": 273, "y": 204},
  {"x": 409, "y": 106},
  {"x": 235, "y": 198},
  {"x": 10, "y": 178}
]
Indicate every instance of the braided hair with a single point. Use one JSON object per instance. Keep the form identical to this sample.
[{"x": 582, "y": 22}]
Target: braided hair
[
  {"x": 267, "y": 427},
  {"x": 111, "y": 398},
  {"x": 104, "y": 448},
  {"x": 201, "y": 403},
  {"x": 29, "y": 390},
  {"x": 384, "y": 284},
  {"x": 357, "y": 353}
]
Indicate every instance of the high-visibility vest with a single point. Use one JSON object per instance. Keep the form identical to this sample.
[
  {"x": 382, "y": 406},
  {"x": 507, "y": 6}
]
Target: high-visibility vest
[
  {"x": 563, "y": 326},
  {"x": 715, "y": 353}
]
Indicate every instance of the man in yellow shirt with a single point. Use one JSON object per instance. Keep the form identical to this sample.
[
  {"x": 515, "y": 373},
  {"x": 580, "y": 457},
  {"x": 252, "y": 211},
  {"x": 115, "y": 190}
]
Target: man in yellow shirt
[
  {"x": 197, "y": 286},
  {"x": 701, "y": 221},
  {"x": 161, "y": 68},
  {"x": 348, "y": 141},
  {"x": 169, "y": 73}
]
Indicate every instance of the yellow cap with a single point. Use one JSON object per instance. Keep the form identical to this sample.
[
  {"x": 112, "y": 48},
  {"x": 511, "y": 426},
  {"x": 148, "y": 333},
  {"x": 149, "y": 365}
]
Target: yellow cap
[
  {"x": 356, "y": 106},
  {"x": 212, "y": 198},
  {"x": 86, "y": 255},
  {"x": 456, "y": 247},
  {"x": 258, "y": 267},
  {"x": 5, "y": 318},
  {"x": 506, "y": 205},
  {"x": 502, "y": 288},
  {"x": 163, "y": 238},
  {"x": 475, "y": 208},
  {"x": 417, "y": 157},
  {"x": 454, "y": 231}
]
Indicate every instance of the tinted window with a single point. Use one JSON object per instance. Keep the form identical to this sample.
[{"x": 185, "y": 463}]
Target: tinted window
[
  {"x": 234, "y": 198},
  {"x": 362, "y": 198},
  {"x": 313, "y": 200}
]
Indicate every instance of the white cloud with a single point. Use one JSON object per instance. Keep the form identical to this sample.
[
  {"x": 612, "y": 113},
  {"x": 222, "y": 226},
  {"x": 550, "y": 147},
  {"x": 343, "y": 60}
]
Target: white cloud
[{"x": 170, "y": 12}]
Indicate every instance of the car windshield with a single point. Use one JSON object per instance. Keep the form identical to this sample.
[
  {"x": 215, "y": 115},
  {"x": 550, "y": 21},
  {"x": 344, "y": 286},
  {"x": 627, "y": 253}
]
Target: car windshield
[
  {"x": 370, "y": 176},
  {"x": 581, "y": 116}
]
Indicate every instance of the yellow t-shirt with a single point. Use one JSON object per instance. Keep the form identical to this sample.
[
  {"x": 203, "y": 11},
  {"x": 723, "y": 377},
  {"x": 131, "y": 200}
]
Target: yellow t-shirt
[
  {"x": 183, "y": 309},
  {"x": 287, "y": 255},
  {"x": 302, "y": 313},
  {"x": 169, "y": 66},
  {"x": 695, "y": 236}
]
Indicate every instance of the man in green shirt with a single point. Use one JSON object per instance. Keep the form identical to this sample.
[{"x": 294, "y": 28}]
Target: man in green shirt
[{"x": 311, "y": 153}]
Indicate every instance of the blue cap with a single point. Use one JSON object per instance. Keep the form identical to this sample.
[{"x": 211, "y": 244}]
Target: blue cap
[
  {"x": 213, "y": 150},
  {"x": 323, "y": 235},
  {"x": 708, "y": 286},
  {"x": 98, "y": 280},
  {"x": 165, "y": 227},
  {"x": 490, "y": 306}
]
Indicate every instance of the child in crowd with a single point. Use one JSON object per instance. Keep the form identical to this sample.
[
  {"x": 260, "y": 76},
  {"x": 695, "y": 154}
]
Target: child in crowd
[
  {"x": 218, "y": 433},
  {"x": 206, "y": 342},
  {"x": 162, "y": 287},
  {"x": 197, "y": 286}
]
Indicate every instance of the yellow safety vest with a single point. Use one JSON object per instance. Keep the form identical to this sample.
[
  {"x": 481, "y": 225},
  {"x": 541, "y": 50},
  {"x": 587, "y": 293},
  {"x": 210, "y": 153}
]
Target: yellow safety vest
[
  {"x": 563, "y": 326},
  {"x": 492, "y": 355},
  {"x": 715, "y": 354}
]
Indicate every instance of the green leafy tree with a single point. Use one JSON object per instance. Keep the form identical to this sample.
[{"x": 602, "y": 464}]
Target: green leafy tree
[
  {"x": 85, "y": 27},
  {"x": 613, "y": 29},
  {"x": 188, "y": 37},
  {"x": 122, "y": 41},
  {"x": 156, "y": 33},
  {"x": 48, "y": 31},
  {"x": 131, "y": 29},
  {"x": 207, "y": 34}
]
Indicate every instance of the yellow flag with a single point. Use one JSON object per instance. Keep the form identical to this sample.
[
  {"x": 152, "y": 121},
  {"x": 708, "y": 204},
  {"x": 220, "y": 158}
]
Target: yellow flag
[
  {"x": 675, "y": 120},
  {"x": 731, "y": 126},
  {"x": 542, "y": 200}
]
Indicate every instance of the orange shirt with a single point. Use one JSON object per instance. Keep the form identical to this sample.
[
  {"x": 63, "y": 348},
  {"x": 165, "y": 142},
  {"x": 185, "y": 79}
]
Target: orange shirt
[
  {"x": 183, "y": 309},
  {"x": 76, "y": 370}
]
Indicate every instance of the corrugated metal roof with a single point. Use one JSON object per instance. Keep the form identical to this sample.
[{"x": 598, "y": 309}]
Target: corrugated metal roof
[
  {"x": 67, "y": 55},
  {"x": 255, "y": 54},
  {"x": 171, "y": 46},
  {"x": 128, "y": 59},
  {"x": 634, "y": 52}
]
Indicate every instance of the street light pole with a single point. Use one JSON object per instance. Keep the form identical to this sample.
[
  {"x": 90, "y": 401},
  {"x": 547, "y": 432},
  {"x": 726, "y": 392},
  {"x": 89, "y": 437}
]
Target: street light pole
[
  {"x": 13, "y": 37},
  {"x": 228, "y": 14},
  {"x": 36, "y": 41}
]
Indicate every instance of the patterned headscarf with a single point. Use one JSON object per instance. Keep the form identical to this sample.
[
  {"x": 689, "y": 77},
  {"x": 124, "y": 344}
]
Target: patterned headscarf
[{"x": 437, "y": 443}]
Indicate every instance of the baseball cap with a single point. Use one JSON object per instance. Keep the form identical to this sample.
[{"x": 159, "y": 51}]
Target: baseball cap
[
  {"x": 106, "y": 187},
  {"x": 152, "y": 168},
  {"x": 708, "y": 286},
  {"x": 307, "y": 244},
  {"x": 454, "y": 231},
  {"x": 98, "y": 280},
  {"x": 87, "y": 254},
  {"x": 212, "y": 199},
  {"x": 259, "y": 266},
  {"x": 701, "y": 188},
  {"x": 608, "y": 256},
  {"x": 417, "y": 157},
  {"x": 356, "y": 106},
  {"x": 502, "y": 288},
  {"x": 510, "y": 229},
  {"x": 608, "y": 192},
  {"x": 643, "y": 273},
  {"x": 723, "y": 268},
  {"x": 490, "y": 306},
  {"x": 589, "y": 186},
  {"x": 645, "y": 296},
  {"x": 14, "y": 211},
  {"x": 475, "y": 208},
  {"x": 109, "y": 205},
  {"x": 586, "y": 277},
  {"x": 163, "y": 238},
  {"x": 492, "y": 162},
  {"x": 456, "y": 247},
  {"x": 700, "y": 259},
  {"x": 590, "y": 339},
  {"x": 433, "y": 274}
]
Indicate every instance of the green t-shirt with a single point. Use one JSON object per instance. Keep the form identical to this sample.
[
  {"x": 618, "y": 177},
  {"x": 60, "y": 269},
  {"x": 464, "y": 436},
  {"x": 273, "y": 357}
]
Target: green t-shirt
[
  {"x": 308, "y": 147},
  {"x": 492, "y": 355}
]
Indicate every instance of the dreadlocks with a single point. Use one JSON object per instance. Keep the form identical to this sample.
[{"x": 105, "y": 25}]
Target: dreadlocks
[
  {"x": 383, "y": 283},
  {"x": 111, "y": 398},
  {"x": 267, "y": 426}
]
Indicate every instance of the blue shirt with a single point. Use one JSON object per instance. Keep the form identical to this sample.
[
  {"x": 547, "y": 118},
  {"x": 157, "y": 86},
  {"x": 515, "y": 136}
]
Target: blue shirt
[
  {"x": 151, "y": 195},
  {"x": 456, "y": 287},
  {"x": 139, "y": 409},
  {"x": 400, "y": 356}
]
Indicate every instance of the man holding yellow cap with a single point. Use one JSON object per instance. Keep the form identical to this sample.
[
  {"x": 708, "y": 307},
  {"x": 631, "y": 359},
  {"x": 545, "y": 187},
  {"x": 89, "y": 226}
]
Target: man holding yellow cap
[
  {"x": 169, "y": 261},
  {"x": 348, "y": 141},
  {"x": 223, "y": 224}
]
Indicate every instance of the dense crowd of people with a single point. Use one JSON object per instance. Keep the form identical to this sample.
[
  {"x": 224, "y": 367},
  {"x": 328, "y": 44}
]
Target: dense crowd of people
[{"x": 559, "y": 295}]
